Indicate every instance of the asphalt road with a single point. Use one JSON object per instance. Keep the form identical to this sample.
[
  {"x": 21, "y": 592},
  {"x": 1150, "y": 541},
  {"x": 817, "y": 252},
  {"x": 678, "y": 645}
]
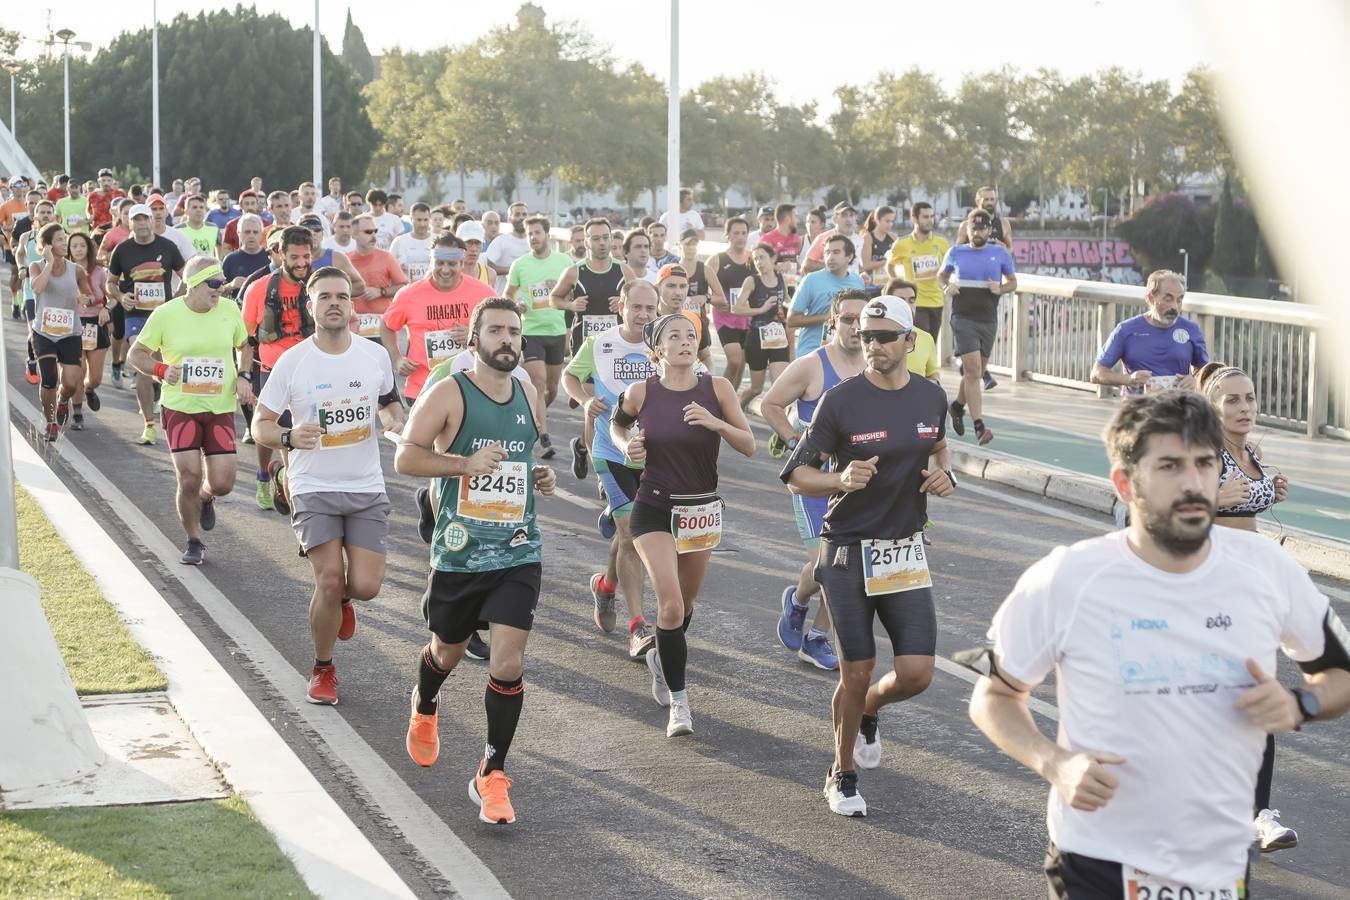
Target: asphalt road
[{"x": 607, "y": 805}]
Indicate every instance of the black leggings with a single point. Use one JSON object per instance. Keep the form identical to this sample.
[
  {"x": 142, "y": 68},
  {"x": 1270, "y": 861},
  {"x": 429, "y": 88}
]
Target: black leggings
[
  {"x": 50, "y": 371},
  {"x": 1266, "y": 775}
]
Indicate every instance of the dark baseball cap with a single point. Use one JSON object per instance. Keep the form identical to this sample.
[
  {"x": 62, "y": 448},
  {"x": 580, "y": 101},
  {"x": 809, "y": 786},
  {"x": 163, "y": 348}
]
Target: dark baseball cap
[
  {"x": 311, "y": 222},
  {"x": 766, "y": 210},
  {"x": 981, "y": 217},
  {"x": 844, "y": 206}
]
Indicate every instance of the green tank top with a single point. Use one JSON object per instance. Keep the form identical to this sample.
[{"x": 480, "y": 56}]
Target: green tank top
[{"x": 486, "y": 522}]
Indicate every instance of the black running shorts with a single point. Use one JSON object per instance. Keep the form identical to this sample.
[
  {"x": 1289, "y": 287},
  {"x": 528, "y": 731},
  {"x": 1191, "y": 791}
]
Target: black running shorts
[
  {"x": 456, "y": 604},
  {"x": 908, "y": 617}
]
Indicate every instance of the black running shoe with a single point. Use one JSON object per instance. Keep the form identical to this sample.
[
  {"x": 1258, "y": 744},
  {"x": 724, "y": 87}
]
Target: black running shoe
[
  {"x": 426, "y": 519},
  {"x": 477, "y": 648},
  {"x": 208, "y": 514},
  {"x": 548, "y": 449},
  {"x": 958, "y": 418},
  {"x": 91, "y": 398},
  {"x": 580, "y": 459}
]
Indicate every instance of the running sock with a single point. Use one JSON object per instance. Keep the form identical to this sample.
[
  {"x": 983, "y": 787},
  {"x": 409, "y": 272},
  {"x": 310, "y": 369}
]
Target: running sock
[
  {"x": 263, "y": 476},
  {"x": 606, "y": 587},
  {"x": 323, "y": 662},
  {"x": 868, "y": 728},
  {"x": 503, "y": 700},
  {"x": 430, "y": 677},
  {"x": 684, "y": 628},
  {"x": 635, "y": 622},
  {"x": 673, "y": 650}
]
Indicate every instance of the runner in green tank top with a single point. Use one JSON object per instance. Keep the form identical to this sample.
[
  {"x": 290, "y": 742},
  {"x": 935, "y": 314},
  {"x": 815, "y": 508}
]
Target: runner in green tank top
[{"x": 474, "y": 433}]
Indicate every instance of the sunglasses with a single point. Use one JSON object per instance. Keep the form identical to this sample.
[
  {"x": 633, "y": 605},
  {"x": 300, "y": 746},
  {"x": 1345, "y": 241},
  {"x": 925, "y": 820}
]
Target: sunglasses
[
  {"x": 367, "y": 231},
  {"x": 867, "y": 336},
  {"x": 215, "y": 284}
]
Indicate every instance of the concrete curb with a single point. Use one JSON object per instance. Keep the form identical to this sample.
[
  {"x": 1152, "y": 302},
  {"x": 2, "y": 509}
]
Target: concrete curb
[
  {"x": 331, "y": 854},
  {"x": 1314, "y": 552}
]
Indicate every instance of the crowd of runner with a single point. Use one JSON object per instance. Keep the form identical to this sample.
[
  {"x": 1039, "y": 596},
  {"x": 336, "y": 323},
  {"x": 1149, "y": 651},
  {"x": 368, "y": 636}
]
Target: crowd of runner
[{"x": 336, "y": 321}]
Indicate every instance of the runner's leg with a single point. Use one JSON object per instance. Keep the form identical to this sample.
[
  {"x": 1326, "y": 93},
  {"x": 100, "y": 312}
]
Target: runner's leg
[
  {"x": 971, "y": 383},
  {"x": 505, "y": 694},
  {"x": 188, "y": 466},
  {"x": 850, "y": 698},
  {"x": 325, "y": 605}
]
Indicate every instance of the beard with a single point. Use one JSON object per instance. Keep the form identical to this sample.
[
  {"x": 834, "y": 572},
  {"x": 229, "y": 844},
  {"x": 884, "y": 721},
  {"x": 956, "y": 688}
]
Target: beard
[
  {"x": 503, "y": 360},
  {"x": 1177, "y": 538},
  {"x": 296, "y": 274}
]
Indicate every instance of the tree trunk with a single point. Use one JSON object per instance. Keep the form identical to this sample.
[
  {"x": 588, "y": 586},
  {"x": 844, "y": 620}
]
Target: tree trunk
[{"x": 461, "y": 184}]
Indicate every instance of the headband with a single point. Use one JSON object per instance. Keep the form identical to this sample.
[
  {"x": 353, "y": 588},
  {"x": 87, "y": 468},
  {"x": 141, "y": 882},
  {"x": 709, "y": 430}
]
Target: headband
[
  {"x": 447, "y": 254},
  {"x": 212, "y": 271},
  {"x": 651, "y": 332},
  {"x": 1217, "y": 376}
]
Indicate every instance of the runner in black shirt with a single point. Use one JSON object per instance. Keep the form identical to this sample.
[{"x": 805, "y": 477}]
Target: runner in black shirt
[{"x": 882, "y": 433}]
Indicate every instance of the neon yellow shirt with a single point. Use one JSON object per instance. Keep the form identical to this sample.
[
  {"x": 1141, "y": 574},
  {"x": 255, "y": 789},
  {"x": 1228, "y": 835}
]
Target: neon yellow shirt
[
  {"x": 919, "y": 262},
  {"x": 207, "y": 341},
  {"x": 923, "y": 360}
]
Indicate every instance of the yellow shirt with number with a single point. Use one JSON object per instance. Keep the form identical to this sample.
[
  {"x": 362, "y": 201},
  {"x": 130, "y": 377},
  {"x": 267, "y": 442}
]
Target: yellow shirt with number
[
  {"x": 919, "y": 261},
  {"x": 923, "y": 360}
]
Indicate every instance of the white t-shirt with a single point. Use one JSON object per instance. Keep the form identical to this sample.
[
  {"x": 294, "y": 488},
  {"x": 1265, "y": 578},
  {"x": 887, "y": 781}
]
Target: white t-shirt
[
  {"x": 1148, "y": 665},
  {"x": 688, "y": 219},
  {"x": 182, "y": 242},
  {"x": 328, "y": 206},
  {"x": 505, "y": 249},
  {"x": 297, "y": 214},
  {"x": 387, "y": 227},
  {"x": 413, "y": 254},
  {"x": 342, "y": 391},
  {"x": 331, "y": 243}
]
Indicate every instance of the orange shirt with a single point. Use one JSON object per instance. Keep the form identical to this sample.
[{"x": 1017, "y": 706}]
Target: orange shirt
[
  {"x": 254, "y": 298},
  {"x": 428, "y": 312},
  {"x": 379, "y": 269}
]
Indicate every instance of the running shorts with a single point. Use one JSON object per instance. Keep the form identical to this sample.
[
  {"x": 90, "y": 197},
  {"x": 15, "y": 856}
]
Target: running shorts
[
  {"x": 620, "y": 483},
  {"x": 131, "y": 329},
  {"x": 757, "y": 359},
  {"x": 730, "y": 335},
  {"x": 456, "y": 604},
  {"x": 972, "y": 337},
  {"x": 908, "y": 617},
  {"x": 211, "y": 433},
  {"x": 810, "y": 514},
  {"x": 283, "y": 420},
  {"x": 1071, "y": 876},
  {"x": 104, "y": 341},
  {"x": 648, "y": 519},
  {"x": 361, "y": 520},
  {"x": 551, "y": 348},
  {"x": 67, "y": 350}
]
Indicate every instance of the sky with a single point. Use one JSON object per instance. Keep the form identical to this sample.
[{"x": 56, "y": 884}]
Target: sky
[{"x": 721, "y": 38}]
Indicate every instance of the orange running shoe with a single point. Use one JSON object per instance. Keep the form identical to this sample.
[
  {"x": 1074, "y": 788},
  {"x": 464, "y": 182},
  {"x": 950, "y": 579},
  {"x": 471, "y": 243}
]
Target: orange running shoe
[
  {"x": 490, "y": 793},
  {"x": 323, "y": 683},
  {"x": 348, "y": 626},
  {"x": 424, "y": 740}
]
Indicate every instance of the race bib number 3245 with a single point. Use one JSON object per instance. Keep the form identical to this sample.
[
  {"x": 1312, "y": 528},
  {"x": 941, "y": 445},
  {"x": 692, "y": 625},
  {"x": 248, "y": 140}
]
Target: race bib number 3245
[{"x": 496, "y": 496}]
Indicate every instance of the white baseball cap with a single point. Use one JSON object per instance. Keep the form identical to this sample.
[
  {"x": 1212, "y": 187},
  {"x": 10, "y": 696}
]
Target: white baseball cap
[
  {"x": 140, "y": 209},
  {"x": 471, "y": 231},
  {"x": 888, "y": 307}
]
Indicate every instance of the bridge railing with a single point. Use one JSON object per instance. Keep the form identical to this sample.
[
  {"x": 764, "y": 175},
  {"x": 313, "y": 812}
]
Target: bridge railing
[{"x": 1052, "y": 329}]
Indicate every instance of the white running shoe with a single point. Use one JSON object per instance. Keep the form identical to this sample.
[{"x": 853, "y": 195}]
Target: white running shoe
[
  {"x": 867, "y": 754},
  {"x": 681, "y": 722},
  {"x": 841, "y": 791},
  {"x": 660, "y": 693},
  {"x": 1271, "y": 834}
]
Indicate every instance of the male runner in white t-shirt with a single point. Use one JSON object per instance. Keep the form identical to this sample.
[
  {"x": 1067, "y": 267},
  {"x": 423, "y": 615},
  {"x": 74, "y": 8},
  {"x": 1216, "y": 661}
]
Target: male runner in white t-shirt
[{"x": 1163, "y": 640}]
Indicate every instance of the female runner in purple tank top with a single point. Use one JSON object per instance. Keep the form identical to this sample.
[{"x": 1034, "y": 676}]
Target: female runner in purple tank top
[{"x": 682, "y": 415}]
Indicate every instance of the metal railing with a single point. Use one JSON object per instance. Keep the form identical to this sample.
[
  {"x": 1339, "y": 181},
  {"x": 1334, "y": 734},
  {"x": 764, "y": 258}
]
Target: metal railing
[{"x": 1052, "y": 329}]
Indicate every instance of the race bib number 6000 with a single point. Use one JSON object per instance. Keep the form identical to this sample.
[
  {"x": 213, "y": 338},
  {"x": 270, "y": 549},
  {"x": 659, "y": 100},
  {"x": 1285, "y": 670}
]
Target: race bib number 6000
[
  {"x": 697, "y": 527},
  {"x": 890, "y": 567},
  {"x": 1140, "y": 885},
  {"x": 495, "y": 497}
]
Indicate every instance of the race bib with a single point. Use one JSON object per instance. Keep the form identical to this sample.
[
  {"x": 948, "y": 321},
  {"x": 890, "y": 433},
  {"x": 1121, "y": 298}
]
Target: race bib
[
  {"x": 924, "y": 268},
  {"x": 345, "y": 420},
  {"x": 89, "y": 337},
  {"x": 368, "y": 325},
  {"x": 58, "y": 322},
  {"x": 890, "y": 567},
  {"x": 697, "y": 527},
  {"x": 539, "y": 293},
  {"x": 595, "y": 324},
  {"x": 773, "y": 336},
  {"x": 693, "y": 304},
  {"x": 441, "y": 347},
  {"x": 1140, "y": 885},
  {"x": 416, "y": 271},
  {"x": 149, "y": 294},
  {"x": 1161, "y": 383},
  {"x": 202, "y": 376},
  {"x": 733, "y": 296},
  {"x": 495, "y": 497}
]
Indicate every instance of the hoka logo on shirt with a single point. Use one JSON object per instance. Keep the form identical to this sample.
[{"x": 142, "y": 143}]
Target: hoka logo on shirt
[
  {"x": 323, "y": 387},
  {"x": 1148, "y": 624}
]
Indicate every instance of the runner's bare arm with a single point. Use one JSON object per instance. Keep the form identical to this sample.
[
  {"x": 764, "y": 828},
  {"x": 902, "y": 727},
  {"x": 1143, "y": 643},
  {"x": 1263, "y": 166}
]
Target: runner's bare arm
[
  {"x": 733, "y": 427},
  {"x": 576, "y": 389},
  {"x": 788, "y": 388},
  {"x": 435, "y": 419},
  {"x": 716, "y": 295},
  {"x": 389, "y": 340},
  {"x": 561, "y": 295},
  {"x": 742, "y": 307}
]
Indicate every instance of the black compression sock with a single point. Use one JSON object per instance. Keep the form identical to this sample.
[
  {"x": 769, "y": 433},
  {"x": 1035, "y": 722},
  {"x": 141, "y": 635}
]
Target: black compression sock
[
  {"x": 323, "y": 662},
  {"x": 868, "y": 728},
  {"x": 503, "y": 700},
  {"x": 674, "y": 652},
  {"x": 685, "y": 627},
  {"x": 430, "y": 677}
]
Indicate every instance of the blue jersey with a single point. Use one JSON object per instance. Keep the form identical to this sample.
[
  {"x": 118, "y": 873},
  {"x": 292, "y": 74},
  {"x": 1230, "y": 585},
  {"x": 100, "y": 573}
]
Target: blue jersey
[
  {"x": 613, "y": 364},
  {"x": 1165, "y": 350},
  {"x": 973, "y": 269},
  {"x": 814, "y": 294}
]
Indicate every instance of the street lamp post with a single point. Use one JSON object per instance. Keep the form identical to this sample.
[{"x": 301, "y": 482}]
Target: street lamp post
[
  {"x": 673, "y": 126},
  {"x": 65, "y": 34},
  {"x": 13, "y": 67},
  {"x": 1185, "y": 265}
]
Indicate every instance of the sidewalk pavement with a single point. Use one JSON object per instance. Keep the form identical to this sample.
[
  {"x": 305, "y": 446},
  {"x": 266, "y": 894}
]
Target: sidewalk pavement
[
  {"x": 1062, "y": 428},
  {"x": 331, "y": 854}
]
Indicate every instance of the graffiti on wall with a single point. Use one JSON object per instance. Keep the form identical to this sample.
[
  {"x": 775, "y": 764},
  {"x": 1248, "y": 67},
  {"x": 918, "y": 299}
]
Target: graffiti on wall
[{"x": 1079, "y": 258}]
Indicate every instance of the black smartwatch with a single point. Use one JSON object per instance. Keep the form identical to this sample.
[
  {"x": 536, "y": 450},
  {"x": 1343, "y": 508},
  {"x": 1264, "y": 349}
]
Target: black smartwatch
[
  {"x": 286, "y": 440},
  {"x": 951, "y": 476},
  {"x": 1309, "y": 706}
]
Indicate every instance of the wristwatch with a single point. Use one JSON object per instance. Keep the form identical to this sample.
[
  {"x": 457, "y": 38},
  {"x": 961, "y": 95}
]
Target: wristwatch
[
  {"x": 286, "y": 440},
  {"x": 951, "y": 476},
  {"x": 1309, "y": 706}
]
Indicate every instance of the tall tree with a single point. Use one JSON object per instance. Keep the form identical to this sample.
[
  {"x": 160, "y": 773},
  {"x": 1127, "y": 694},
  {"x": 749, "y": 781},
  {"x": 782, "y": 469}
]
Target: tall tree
[
  {"x": 355, "y": 53},
  {"x": 983, "y": 124}
]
